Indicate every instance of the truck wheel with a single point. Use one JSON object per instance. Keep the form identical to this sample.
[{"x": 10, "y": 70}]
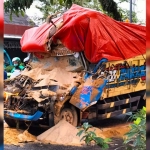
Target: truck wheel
[{"x": 69, "y": 114}]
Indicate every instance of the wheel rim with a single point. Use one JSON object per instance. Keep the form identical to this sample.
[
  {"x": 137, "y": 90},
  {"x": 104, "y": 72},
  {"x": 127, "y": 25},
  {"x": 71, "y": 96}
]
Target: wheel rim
[{"x": 68, "y": 116}]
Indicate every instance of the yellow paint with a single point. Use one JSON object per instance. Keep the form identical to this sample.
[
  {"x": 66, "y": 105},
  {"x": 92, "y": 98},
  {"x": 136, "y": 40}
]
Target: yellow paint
[
  {"x": 127, "y": 100},
  {"x": 108, "y": 115},
  {"x": 111, "y": 92},
  {"x": 112, "y": 104},
  {"x": 124, "y": 111}
]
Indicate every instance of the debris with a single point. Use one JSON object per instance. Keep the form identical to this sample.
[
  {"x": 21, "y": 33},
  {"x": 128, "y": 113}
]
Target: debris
[
  {"x": 26, "y": 137},
  {"x": 44, "y": 92},
  {"x": 51, "y": 71}
]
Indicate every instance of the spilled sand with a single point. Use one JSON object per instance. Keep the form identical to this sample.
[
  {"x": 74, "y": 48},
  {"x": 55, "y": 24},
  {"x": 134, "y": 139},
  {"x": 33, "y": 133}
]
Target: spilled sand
[
  {"x": 62, "y": 134},
  {"x": 13, "y": 136}
]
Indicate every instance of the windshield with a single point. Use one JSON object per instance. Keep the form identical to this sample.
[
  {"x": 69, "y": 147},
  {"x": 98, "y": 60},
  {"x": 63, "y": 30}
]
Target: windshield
[
  {"x": 55, "y": 70},
  {"x": 71, "y": 63}
]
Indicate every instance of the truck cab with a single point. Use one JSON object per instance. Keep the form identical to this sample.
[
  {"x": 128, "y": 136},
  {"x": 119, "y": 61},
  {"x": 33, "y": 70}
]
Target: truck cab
[{"x": 56, "y": 86}]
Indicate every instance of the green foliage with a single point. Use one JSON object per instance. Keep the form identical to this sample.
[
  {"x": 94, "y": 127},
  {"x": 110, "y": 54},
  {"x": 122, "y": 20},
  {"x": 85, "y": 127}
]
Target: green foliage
[
  {"x": 136, "y": 137},
  {"x": 111, "y": 8},
  {"x": 48, "y": 7},
  {"x": 17, "y": 7},
  {"x": 126, "y": 13},
  {"x": 90, "y": 136}
]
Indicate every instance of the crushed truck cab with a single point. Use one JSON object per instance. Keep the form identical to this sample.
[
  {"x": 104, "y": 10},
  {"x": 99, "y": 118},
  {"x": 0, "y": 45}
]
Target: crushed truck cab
[
  {"x": 61, "y": 83},
  {"x": 77, "y": 73}
]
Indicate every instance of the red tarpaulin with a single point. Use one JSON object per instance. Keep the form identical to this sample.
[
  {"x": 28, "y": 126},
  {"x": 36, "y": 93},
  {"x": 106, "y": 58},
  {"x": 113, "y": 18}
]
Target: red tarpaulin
[{"x": 98, "y": 35}]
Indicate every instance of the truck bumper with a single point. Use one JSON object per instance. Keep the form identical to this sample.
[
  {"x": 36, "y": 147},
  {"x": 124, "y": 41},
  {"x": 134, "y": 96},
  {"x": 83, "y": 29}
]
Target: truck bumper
[{"x": 18, "y": 116}]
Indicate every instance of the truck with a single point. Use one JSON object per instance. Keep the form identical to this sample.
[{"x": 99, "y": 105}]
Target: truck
[{"x": 77, "y": 73}]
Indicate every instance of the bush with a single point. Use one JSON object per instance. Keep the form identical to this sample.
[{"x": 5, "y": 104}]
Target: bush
[
  {"x": 136, "y": 137},
  {"x": 90, "y": 136}
]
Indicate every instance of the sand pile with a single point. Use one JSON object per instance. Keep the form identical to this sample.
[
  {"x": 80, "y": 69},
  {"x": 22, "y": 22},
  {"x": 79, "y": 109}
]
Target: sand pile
[
  {"x": 65, "y": 134},
  {"x": 62, "y": 133}
]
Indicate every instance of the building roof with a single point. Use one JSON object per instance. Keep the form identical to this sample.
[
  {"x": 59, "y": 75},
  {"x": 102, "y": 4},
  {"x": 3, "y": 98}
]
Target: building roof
[
  {"x": 25, "y": 21},
  {"x": 17, "y": 26}
]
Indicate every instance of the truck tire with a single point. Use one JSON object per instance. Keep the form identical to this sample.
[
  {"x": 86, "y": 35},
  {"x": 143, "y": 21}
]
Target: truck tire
[{"x": 69, "y": 114}]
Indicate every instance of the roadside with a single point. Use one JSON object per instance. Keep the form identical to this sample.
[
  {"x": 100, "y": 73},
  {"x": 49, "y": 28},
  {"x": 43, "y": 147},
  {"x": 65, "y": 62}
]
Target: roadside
[
  {"x": 38, "y": 146},
  {"x": 113, "y": 128}
]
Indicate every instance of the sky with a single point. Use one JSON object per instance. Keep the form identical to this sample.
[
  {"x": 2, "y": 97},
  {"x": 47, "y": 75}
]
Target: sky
[{"x": 140, "y": 9}]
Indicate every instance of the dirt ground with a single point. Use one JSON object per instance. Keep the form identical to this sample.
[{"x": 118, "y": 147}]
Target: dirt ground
[
  {"x": 23, "y": 140},
  {"x": 38, "y": 146}
]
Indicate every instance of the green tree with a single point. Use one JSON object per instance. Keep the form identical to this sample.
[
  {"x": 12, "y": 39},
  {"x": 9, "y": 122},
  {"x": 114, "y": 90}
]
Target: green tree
[
  {"x": 17, "y": 6},
  {"x": 126, "y": 13},
  {"x": 109, "y": 7},
  {"x": 52, "y": 7}
]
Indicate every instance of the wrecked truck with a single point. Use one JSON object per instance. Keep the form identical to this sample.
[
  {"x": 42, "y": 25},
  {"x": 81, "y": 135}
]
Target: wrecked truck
[{"x": 86, "y": 67}]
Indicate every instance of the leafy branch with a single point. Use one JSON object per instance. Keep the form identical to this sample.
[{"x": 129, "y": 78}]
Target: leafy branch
[
  {"x": 136, "y": 137},
  {"x": 90, "y": 136}
]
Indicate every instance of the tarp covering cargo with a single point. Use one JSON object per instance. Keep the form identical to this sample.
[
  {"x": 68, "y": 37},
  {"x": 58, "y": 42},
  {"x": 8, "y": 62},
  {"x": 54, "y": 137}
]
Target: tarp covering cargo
[{"x": 98, "y": 35}]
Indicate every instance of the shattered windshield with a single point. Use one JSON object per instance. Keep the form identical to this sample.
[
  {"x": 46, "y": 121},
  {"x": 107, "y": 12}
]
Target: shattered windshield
[
  {"x": 71, "y": 63},
  {"x": 56, "y": 70}
]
